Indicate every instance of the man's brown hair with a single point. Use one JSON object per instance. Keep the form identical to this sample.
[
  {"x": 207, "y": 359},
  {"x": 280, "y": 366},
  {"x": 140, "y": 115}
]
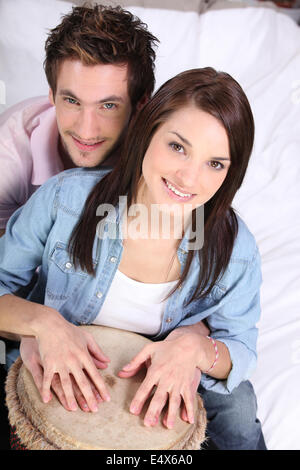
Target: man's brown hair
[{"x": 104, "y": 35}]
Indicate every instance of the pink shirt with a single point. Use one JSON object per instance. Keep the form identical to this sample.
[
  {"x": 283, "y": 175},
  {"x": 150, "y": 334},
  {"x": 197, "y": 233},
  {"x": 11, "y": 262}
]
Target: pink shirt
[{"x": 28, "y": 152}]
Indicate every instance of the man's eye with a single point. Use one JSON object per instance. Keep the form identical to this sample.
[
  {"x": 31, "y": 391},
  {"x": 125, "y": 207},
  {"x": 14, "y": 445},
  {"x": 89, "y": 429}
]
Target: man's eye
[
  {"x": 70, "y": 100},
  {"x": 177, "y": 147},
  {"x": 109, "y": 105}
]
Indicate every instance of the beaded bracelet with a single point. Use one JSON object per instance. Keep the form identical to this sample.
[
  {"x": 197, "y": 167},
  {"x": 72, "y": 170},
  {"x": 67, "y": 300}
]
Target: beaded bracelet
[{"x": 217, "y": 354}]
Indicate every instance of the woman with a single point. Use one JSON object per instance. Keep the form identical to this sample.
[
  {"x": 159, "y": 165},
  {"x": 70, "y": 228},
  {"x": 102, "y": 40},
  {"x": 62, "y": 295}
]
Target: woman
[{"x": 188, "y": 149}]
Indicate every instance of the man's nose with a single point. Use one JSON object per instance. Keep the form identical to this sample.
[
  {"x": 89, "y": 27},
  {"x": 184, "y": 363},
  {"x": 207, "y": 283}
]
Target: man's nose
[{"x": 87, "y": 125}]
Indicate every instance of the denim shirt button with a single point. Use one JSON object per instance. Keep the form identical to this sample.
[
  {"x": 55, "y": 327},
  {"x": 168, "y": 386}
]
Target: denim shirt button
[
  {"x": 168, "y": 320},
  {"x": 68, "y": 265},
  {"x": 99, "y": 295},
  {"x": 113, "y": 259}
]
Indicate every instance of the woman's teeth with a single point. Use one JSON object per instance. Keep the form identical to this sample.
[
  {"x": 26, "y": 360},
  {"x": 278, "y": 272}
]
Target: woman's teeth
[{"x": 176, "y": 190}]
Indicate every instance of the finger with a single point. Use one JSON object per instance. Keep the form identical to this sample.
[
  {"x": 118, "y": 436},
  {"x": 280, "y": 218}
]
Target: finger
[
  {"x": 189, "y": 406},
  {"x": 67, "y": 387},
  {"x": 57, "y": 388},
  {"x": 145, "y": 390},
  {"x": 84, "y": 390},
  {"x": 96, "y": 393},
  {"x": 47, "y": 379},
  {"x": 196, "y": 381},
  {"x": 96, "y": 351},
  {"x": 130, "y": 373},
  {"x": 155, "y": 408},
  {"x": 183, "y": 415},
  {"x": 96, "y": 379},
  {"x": 99, "y": 364},
  {"x": 174, "y": 405},
  {"x": 194, "y": 389},
  {"x": 81, "y": 399},
  {"x": 139, "y": 359},
  {"x": 37, "y": 375}
]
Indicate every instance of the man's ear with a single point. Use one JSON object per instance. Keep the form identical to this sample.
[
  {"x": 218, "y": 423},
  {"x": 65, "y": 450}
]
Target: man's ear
[
  {"x": 142, "y": 102},
  {"x": 51, "y": 96}
]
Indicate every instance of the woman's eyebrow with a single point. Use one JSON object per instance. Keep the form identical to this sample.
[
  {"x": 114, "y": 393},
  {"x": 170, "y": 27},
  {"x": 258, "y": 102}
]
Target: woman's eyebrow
[
  {"x": 221, "y": 158},
  {"x": 182, "y": 138},
  {"x": 188, "y": 143}
]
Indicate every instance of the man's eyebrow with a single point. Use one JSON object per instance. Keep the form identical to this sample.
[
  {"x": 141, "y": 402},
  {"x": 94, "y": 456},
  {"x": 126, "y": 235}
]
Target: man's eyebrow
[
  {"x": 66, "y": 92},
  {"x": 188, "y": 143}
]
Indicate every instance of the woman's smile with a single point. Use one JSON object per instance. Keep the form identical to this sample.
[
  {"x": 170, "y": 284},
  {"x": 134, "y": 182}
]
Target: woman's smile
[{"x": 175, "y": 193}]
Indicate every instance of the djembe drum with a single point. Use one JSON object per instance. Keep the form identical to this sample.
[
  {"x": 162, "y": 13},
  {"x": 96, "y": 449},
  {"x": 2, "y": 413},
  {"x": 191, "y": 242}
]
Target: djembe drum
[{"x": 41, "y": 426}]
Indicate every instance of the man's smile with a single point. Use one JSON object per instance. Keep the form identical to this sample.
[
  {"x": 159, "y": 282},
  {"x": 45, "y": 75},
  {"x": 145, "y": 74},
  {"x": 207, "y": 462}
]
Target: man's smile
[{"x": 87, "y": 147}]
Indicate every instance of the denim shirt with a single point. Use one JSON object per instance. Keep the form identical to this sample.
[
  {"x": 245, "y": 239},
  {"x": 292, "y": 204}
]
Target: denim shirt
[{"x": 38, "y": 233}]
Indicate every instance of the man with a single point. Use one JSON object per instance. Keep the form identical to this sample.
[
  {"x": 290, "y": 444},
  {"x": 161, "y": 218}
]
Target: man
[{"x": 100, "y": 69}]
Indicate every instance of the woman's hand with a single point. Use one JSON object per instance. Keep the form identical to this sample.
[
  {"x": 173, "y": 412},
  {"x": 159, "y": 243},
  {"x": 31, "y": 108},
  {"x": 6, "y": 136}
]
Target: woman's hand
[
  {"x": 172, "y": 370},
  {"x": 67, "y": 350},
  {"x": 30, "y": 355}
]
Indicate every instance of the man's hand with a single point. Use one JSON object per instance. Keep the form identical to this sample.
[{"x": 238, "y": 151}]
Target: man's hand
[{"x": 30, "y": 355}]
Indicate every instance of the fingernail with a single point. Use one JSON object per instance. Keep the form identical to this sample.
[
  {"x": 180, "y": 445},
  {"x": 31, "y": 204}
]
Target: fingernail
[
  {"x": 126, "y": 367},
  {"x": 170, "y": 424},
  {"x": 133, "y": 409}
]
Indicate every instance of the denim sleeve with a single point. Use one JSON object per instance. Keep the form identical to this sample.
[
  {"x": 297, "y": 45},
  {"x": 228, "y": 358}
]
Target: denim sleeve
[
  {"x": 232, "y": 320},
  {"x": 22, "y": 246}
]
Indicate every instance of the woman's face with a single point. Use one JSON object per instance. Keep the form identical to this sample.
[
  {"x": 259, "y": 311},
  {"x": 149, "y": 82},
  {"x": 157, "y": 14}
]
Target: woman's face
[{"x": 187, "y": 160}]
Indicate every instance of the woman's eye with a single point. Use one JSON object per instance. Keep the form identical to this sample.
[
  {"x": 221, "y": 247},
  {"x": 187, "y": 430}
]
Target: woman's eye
[
  {"x": 217, "y": 165},
  {"x": 177, "y": 147}
]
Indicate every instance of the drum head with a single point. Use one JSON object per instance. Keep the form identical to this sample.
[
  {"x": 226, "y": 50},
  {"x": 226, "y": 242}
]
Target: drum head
[{"x": 113, "y": 426}]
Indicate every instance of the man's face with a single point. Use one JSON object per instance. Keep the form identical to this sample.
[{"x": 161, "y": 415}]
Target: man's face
[{"x": 92, "y": 109}]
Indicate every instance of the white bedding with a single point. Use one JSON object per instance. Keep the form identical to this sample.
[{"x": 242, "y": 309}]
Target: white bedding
[{"x": 261, "y": 49}]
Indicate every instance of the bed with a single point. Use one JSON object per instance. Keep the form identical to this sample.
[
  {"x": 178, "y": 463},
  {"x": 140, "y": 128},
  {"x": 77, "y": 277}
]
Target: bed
[{"x": 260, "y": 47}]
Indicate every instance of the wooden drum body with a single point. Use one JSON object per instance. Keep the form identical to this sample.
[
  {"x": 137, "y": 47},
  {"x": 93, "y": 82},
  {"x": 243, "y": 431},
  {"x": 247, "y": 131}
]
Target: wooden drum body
[{"x": 49, "y": 426}]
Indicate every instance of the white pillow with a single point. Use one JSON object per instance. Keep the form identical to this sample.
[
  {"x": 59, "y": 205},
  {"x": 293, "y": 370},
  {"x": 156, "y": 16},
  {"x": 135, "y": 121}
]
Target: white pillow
[{"x": 24, "y": 25}]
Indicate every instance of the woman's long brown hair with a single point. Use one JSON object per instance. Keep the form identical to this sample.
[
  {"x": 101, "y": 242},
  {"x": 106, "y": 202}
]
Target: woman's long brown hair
[{"x": 218, "y": 94}]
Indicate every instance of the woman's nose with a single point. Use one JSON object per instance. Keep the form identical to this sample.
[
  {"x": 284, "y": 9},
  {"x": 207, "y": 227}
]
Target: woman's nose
[{"x": 188, "y": 176}]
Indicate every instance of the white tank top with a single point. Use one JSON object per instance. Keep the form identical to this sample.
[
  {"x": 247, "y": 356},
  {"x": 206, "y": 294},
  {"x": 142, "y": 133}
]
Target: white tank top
[{"x": 134, "y": 306}]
